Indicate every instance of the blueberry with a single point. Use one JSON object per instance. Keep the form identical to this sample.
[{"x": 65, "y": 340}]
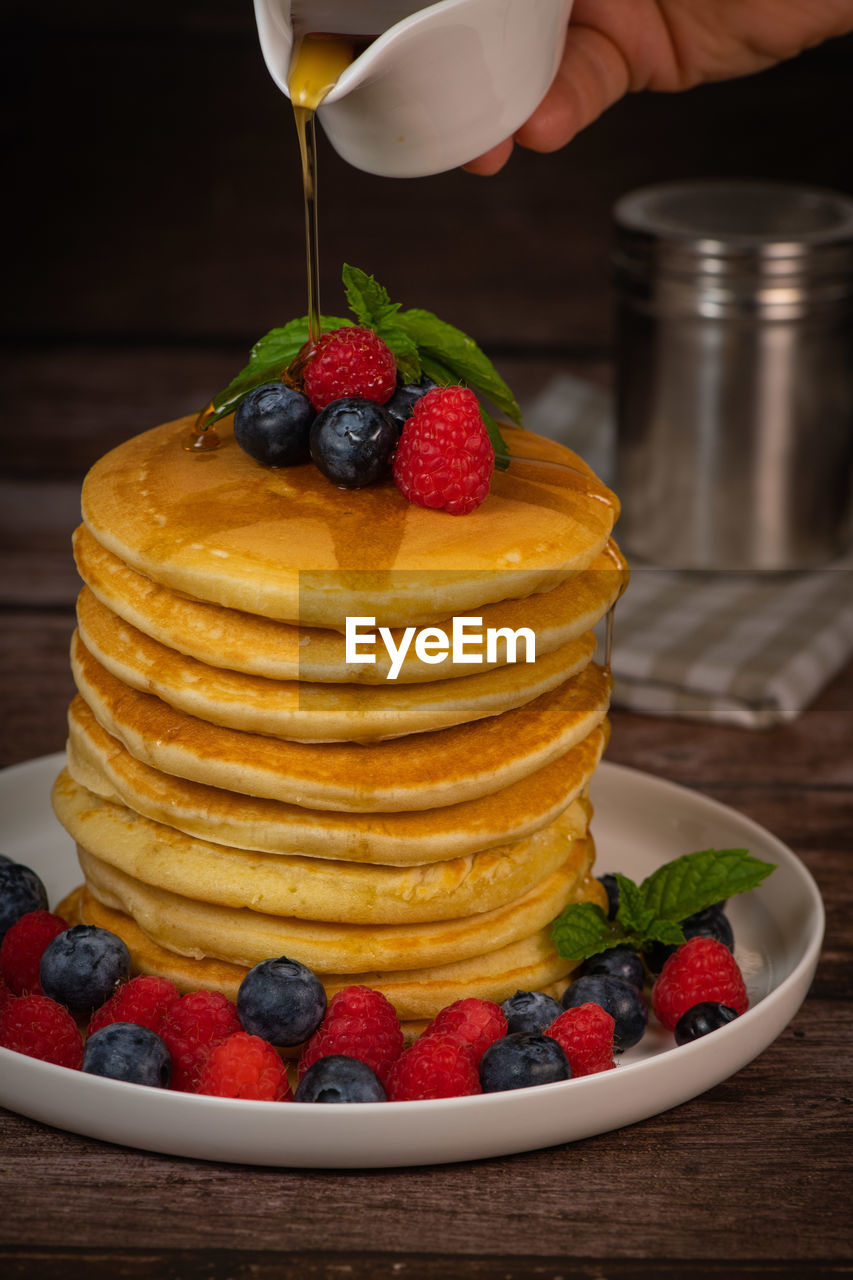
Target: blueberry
[
  {"x": 352, "y": 441},
  {"x": 126, "y": 1051},
  {"x": 656, "y": 956},
  {"x": 619, "y": 962},
  {"x": 619, "y": 998},
  {"x": 405, "y": 398},
  {"x": 21, "y": 891},
  {"x": 702, "y": 1018},
  {"x": 611, "y": 888},
  {"x": 281, "y": 1001},
  {"x": 530, "y": 1011},
  {"x": 712, "y": 922},
  {"x": 340, "y": 1079},
  {"x": 272, "y": 424},
  {"x": 82, "y": 967},
  {"x": 521, "y": 1060}
]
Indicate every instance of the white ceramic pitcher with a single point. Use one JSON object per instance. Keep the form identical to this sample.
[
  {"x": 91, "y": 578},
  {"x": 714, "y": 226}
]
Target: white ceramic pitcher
[{"x": 440, "y": 84}]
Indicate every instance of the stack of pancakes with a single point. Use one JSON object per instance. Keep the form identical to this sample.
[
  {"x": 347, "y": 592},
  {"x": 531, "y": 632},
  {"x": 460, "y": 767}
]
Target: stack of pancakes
[{"x": 238, "y": 790}]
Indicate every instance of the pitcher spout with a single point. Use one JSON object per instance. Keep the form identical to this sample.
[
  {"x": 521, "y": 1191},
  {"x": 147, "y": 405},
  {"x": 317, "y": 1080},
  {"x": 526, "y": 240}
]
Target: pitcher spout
[{"x": 435, "y": 86}]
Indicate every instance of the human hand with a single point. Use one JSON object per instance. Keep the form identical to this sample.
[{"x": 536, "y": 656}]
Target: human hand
[{"x": 614, "y": 47}]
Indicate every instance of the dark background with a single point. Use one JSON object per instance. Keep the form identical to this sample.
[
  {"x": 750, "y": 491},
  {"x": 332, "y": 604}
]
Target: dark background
[{"x": 154, "y": 195}]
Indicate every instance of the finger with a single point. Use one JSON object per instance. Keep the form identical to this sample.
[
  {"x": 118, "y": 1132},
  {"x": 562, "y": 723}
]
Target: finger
[
  {"x": 592, "y": 76},
  {"x": 491, "y": 161}
]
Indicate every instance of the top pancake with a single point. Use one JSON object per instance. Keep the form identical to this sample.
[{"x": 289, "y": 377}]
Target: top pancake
[{"x": 286, "y": 544}]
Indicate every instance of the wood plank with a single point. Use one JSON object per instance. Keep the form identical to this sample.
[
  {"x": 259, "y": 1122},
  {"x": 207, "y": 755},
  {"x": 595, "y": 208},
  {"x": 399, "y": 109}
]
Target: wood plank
[
  {"x": 209, "y": 1264},
  {"x": 72, "y": 402},
  {"x": 34, "y": 699},
  {"x": 812, "y": 751},
  {"x": 36, "y": 524},
  {"x": 550, "y": 1203}
]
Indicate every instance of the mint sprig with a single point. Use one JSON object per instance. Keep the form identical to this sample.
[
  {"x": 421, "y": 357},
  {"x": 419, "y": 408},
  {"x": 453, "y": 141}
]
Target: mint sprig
[
  {"x": 421, "y": 343},
  {"x": 653, "y": 910}
]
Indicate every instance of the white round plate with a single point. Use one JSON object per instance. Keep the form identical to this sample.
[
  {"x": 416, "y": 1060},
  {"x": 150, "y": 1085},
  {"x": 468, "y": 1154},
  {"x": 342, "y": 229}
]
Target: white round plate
[{"x": 639, "y": 823}]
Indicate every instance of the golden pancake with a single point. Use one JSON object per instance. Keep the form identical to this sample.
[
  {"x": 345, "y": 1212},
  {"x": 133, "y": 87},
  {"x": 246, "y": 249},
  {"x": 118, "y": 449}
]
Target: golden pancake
[
  {"x": 100, "y": 763},
  {"x": 530, "y": 965},
  {"x": 313, "y": 712},
  {"x": 313, "y": 888},
  {"x": 246, "y": 936},
  {"x": 420, "y": 771},
  {"x": 259, "y": 646},
  {"x": 286, "y": 544}
]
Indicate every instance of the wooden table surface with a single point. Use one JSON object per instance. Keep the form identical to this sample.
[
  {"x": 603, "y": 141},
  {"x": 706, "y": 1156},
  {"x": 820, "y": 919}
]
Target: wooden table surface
[{"x": 134, "y": 307}]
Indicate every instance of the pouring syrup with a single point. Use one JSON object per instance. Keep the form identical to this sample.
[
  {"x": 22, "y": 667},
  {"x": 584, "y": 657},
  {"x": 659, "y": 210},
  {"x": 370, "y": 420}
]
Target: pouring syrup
[{"x": 316, "y": 65}]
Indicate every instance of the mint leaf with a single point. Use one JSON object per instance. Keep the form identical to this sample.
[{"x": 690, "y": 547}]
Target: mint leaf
[
  {"x": 659, "y": 929},
  {"x": 582, "y": 930},
  {"x": 653, "y": 911},
  {"x": 461, "y": 356},
  {"x": 439, "y": 372},
  {"x": 367, "y": 298},
  {"x": 633, "y": 916},
  {"x": 405, "y": 351},
  {"x": 689, "y": 884},
  {"x": 268, "y": 359},
  {"x": 502, "y": 458}
]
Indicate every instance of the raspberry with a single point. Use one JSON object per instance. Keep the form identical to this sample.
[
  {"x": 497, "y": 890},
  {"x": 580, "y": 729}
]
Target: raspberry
[
  {"x": 191, "y": 1029},
  {"x": 359, "y": 1023},
  {"x": 23, "y": 947},
  {"x": 144, "y": 1000},
  {"x": 477, "y": 1023},
  {"x": 41, "y": 1028},
  {"x": 245, "y": 1066},
  {"x": 702, "y": 969},
  {"x": 445, "y": 458},
  {"x": 352, "y": 361},
  {"x": 5, "y": 994},
  {"x": 436, "y": 1066},
  {"x": 585, "y": 1034}
]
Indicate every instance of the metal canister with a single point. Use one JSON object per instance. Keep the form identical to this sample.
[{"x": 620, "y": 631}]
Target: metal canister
[{"x": 734, "y": 374}]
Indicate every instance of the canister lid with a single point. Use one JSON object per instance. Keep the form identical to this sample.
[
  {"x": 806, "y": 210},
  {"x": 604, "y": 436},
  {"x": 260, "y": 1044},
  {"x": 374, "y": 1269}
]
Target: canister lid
[{"x": 742, "y": 240}]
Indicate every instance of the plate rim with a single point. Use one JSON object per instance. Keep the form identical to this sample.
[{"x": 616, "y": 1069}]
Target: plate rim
[{"x": 772, "y": 1013}]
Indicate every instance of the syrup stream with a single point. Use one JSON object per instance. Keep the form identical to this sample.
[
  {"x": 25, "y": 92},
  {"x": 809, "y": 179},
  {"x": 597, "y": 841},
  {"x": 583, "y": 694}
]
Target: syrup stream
[
  {"x": 316, "y": 64},
  {"x": 306, "y": 131}
]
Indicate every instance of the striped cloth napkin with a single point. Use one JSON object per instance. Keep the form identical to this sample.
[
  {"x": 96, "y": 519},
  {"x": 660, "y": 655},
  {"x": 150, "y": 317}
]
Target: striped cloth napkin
[{"x": 742, "y": 648}]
